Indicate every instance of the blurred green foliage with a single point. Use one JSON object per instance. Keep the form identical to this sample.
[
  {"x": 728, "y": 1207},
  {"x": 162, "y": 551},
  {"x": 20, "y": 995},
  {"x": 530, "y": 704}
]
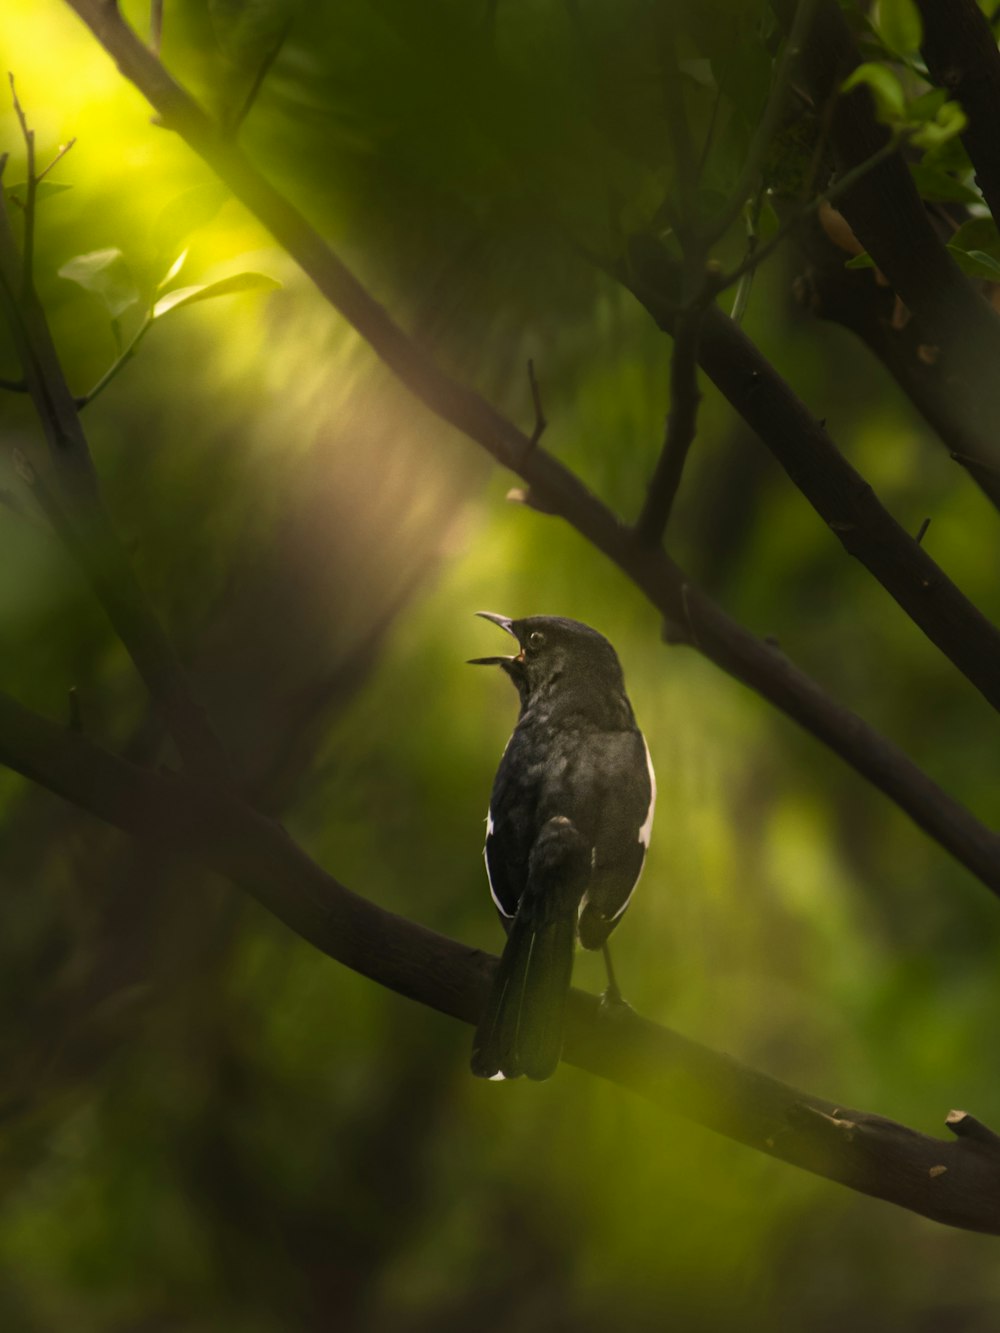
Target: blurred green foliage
[{"x": 207, "y": 1126}]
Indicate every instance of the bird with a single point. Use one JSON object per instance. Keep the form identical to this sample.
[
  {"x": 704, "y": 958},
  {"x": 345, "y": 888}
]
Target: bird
[{"x": 568, "y": 825}]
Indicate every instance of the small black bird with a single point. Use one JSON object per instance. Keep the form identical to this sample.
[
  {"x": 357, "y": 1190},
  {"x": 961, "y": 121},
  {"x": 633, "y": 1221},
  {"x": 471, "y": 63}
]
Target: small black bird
[{"x": 566, "y": 834}]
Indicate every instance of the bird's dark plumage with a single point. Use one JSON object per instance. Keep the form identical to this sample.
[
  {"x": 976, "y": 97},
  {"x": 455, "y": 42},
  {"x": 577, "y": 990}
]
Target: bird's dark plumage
[{"x": 567, "y": 831}]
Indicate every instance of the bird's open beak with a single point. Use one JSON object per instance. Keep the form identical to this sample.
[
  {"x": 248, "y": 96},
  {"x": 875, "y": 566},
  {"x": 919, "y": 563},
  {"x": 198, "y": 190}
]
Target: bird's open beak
[{"x": 505, "y": 623}]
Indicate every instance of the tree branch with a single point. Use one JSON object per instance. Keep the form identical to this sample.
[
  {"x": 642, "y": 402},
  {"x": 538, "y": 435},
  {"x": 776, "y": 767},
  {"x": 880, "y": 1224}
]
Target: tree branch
[
  {"x": 838, "y": 493},
  {"x": 682, "y": 424},
  {"x": 552, "y": 487},
  {"x": 74, "y": 506},
  {"x": 955, "y": 1183},
  {"x": 961, "y": 54},
  {"x": 887, "y": 215}
]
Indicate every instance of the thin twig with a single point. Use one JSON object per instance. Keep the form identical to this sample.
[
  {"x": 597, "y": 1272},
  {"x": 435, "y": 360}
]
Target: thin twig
[
  {"x": 60, "y": 154},
  {"x": 839, "y": 187},
  {"x": 682, "y": 423},
  {"x": 117, "y": 365},
  {"x": 31, "y": 188},
  {"x": 536, "y": 398},
  {"x": 263, "y": 69},
  {"x": 768, "y": 124},
  {"x": 155, "y": 26}
]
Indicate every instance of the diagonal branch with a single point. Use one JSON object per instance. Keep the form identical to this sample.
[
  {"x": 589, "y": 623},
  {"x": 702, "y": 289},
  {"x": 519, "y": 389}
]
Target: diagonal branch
[
  {"x": 888, "y": 217},
  {"x": 74, "y": 506},
  {"x": 682, "y": 424},
  {"x": 553, "y": 488},
  {"x": 838, "y": 493},
  {"x": 957, "y": 1183}
]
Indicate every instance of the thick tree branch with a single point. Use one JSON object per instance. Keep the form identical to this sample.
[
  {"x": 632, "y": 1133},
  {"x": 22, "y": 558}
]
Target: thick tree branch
[
  {"x": 70, "y": 495},
  {"x": 957, "y": 1183},
  {"x": 553, "y": 488},
  {"x": 888, "y": 217},
  {"x": 871, "y": 311},
  {"x": 838, "y": 493},
  {"x": 961, "y": 54}
]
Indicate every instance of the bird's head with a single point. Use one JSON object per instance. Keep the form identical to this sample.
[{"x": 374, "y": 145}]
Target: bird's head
[{"x": 557, "y": 654}]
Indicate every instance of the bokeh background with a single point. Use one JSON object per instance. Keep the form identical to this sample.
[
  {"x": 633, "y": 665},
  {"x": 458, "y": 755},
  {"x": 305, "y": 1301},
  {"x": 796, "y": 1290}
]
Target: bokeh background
[{"x": 205, "y": 1124}]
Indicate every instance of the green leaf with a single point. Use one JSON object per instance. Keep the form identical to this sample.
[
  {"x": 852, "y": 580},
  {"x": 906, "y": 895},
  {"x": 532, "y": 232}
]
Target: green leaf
[
  {"x": 977, "y": 264},
  {"x": 899, "y": 25},
  {"x": 105, "y": 273},
  {"x": 863, "y": 260},
  {"x": 927, "y": 105},
  {"x": 18, "y": 192},
  {"x": 172, "y": 271},
  {"x": 976, "y": 249},
  {"x": 937, "y": 187},
  {"x": 890, "y": 104},
  {"x": 239, "y": 282},
  {"x": 977, "y": 234},
  {"x": 949, "y": 122}
]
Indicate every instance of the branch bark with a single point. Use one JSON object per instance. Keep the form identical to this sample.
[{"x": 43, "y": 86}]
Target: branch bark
[
  {"x": 962, "y": 56},
  {"x": 887, "y": 215},
  {"x": 553, "y": 488},
  {"x": 838, "y": 493},
  {"x": 957, "y": 1183}
]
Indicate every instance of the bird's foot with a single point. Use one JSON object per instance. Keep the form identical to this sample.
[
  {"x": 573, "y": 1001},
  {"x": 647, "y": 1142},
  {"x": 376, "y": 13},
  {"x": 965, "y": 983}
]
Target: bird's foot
[{"x": 612, "y": 1005}]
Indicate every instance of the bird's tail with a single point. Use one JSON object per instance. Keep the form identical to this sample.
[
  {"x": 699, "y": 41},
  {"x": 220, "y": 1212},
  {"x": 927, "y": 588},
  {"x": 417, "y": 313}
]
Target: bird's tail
[{"x": 521, "y": 1029}]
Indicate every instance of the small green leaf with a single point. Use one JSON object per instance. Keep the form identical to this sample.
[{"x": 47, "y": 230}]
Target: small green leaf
[
  {"x": 949, "y": 122},
  {"x": 105, "y": 273},
  {"x": 899, "y": 25},
  {"x": 890, "y": 104},
  {"x": 937, "y": 187},
  {"x": 977, "y": 264},
  {"x": 18, "y": 192},
  {"x": 977, "y": 234},
  {"x": 172, "y": 271},
  {"x": 239, "y": 282},
  {"x": 863, "y": 260},
  {"x": 926, "y": 106}
]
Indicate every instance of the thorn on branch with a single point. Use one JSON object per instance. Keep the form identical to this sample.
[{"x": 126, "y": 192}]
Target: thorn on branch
[
  {"x": 536, "y": 399},
  {"x": 922, "y": 531}
]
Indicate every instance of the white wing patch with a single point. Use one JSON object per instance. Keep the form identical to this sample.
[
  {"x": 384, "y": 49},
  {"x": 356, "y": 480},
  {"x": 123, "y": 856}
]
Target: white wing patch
[
  {"x": 489, "y": 878},
  {"x": 647, "y": 824}
]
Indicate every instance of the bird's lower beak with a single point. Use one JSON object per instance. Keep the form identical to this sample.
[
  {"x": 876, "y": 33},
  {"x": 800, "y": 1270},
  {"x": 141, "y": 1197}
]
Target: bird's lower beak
[{"x": 505, "y": 623}]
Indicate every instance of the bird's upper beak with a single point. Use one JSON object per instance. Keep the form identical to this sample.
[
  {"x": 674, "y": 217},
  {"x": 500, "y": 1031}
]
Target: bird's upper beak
[{"x": 505, "y": 623}]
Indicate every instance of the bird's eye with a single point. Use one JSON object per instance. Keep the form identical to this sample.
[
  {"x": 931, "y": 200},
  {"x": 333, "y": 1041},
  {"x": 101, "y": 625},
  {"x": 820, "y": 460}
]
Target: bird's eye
[{"x": 536, "y": 638}]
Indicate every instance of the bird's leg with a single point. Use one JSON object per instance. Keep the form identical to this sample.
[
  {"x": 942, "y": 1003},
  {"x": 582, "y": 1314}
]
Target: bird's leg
[{"x": 611, "y": 1000}]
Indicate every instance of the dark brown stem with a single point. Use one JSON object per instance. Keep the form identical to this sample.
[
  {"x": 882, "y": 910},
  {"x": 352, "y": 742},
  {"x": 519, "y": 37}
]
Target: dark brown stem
[
  {"x": 957, "y": 1183},
  {"x": 682, "y": 425}
]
